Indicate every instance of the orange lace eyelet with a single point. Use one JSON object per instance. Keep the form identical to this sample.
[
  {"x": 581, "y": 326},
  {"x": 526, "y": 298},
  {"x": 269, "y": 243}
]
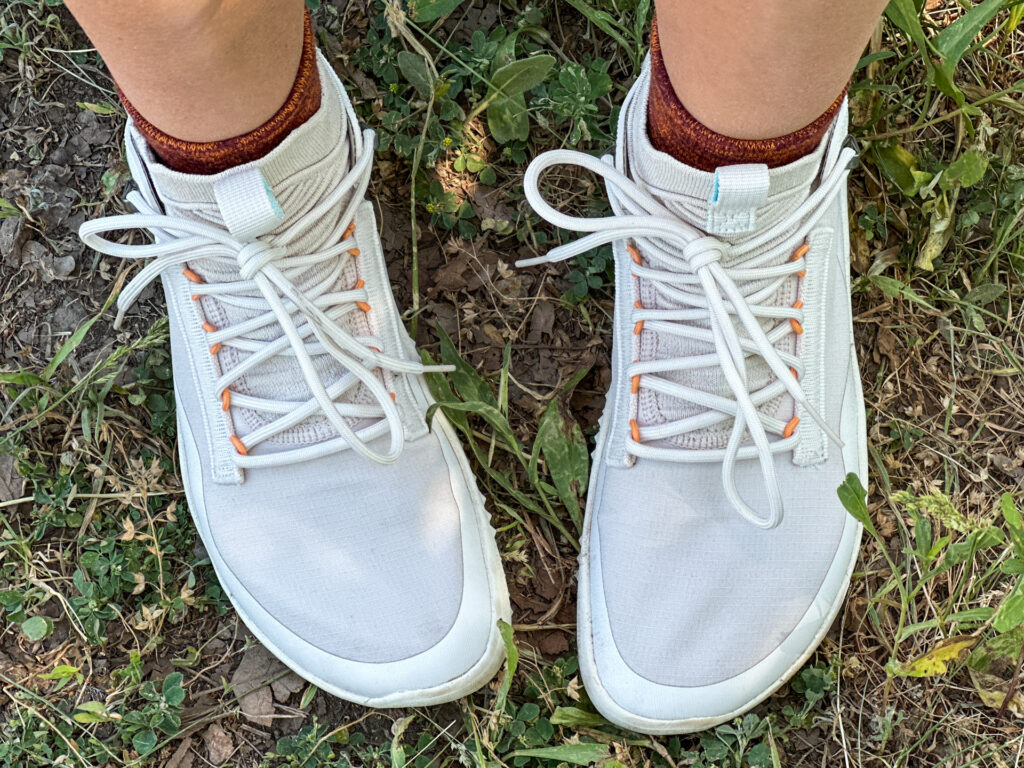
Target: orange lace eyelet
[
  {"x": 791, "y": 427},
  {"x": 353, "y": 251},
  {"x": 800, "y": 252},
  {"x": 192, "y": 276},
  {"x": 349, "y": 231},
  {"x": 215, "y": 348},
  {"x": 796, "y": 325},
  {"x": 634, "y": 254},
  {"x": 634, "y": 430},
  {"x": 635, "y": 387},
  {"x": 795, "y": 374},
  {"x": 208, "y": 326},
  {"x": 225, "y": 399},
  {"x": 239, "y": 445}
]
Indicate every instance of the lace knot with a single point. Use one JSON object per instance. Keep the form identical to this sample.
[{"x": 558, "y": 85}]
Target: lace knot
[
  {"x": 704, "y": 251},
  {"x": 254, "y": 256}
]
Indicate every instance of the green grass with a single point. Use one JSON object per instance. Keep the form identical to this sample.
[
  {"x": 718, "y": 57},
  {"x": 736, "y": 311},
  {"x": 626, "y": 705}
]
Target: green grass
[{"x": 117, "y": 642}]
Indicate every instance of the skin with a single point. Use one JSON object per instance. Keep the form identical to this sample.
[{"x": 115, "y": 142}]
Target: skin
[
  {"x": 199, "y": 70},
  {"x": 205, "y": 70},
  {"x": 759, "y": 69}
]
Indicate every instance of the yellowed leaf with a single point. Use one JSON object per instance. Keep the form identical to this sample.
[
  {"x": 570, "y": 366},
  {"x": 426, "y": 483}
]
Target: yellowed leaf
[
  {"x": 992, "y": 692},
  {"x": 936, "y": 661}
]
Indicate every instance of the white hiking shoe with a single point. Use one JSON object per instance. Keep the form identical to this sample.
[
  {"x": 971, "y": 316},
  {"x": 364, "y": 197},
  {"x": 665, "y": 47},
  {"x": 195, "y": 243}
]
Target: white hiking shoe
[
  {"x": 716, "y": 552},
  {"x": 351, "y": 540}
]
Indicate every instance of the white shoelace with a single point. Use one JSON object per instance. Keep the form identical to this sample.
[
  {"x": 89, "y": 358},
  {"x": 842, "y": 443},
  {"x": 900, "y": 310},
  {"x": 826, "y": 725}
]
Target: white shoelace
[
  {"x": 308, "y": 319},
  {"x": 686, "y": 268}
]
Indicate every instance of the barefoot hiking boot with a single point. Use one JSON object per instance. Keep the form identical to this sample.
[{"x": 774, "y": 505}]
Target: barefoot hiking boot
[
  {"x": 716, "y": 552},
  {"x": 351, "y": 539}
]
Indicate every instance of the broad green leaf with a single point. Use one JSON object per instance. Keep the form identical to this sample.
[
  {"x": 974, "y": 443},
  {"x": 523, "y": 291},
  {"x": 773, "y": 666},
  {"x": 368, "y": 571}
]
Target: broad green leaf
[
  {"x": 60, "y": 672},
  {"x": 144, "y": 741},
  {"x": 984, "y": 294},
  {"x": 854, "y": 498},
  {"x": 520, "y": 76},
  {"x": 1011, "y": 610},
  {"x": 1013, "y": 523},
  {"x": 414, "y": 68},
  {"x": 564, "y": 448},
  {"x": 469, "y": 385},
  {"x": 966, "y": 171},
  {"x": 900, "y": 167},
  {"x": 507, "y": 119},
  {"x": 576, "y": 754},
  {"x": 423, "y": 11},
  {"x": 953, "y": 41},
  {"x": 575, "y": 717},
  {"x": 907, "y": 17},
  {"x": 174, "y": 694},
  {"x": 37, "y": 627},
  {"x": 936, "y": 661}
]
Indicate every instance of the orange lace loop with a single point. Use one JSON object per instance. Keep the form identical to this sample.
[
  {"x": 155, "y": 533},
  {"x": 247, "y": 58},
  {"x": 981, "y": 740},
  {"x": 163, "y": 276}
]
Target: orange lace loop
[
  {"x": 239, "y": 445},
  {"x": 793, "y": 321},
  {"x": 636, "y": 384},
  {"x": 225, "y": 399},
  {"x": 215, "y": 348},
  {"x": 791, "y": 427},
  {"x": 192, "y": 276},
  {"x": 361, "y": 304},
  {"x": 638, "y": 328},
  {"x": 793, "y": 371},
  {"x": 634, "y": 254},
  {"x": 798, "y": 254},
  {"x": 196, "y": 297},
  {"x": 634, "y": 430},
  {"x": 349, "y": 231},
  {"x": 208, "y": 326}
]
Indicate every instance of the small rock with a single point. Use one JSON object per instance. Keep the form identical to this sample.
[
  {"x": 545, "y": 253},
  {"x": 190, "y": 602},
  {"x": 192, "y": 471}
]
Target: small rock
[
  {"x": 34, "y": 252},
  {"x": 63, "y": 265},
  {"x": 219, "y": 745}
]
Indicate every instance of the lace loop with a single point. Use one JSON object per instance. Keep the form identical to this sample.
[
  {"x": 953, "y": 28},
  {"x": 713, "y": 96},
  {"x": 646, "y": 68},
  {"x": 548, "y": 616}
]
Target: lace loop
[
  {"x": 701, "y": 276},
  {"x": 308, "y": 319}
]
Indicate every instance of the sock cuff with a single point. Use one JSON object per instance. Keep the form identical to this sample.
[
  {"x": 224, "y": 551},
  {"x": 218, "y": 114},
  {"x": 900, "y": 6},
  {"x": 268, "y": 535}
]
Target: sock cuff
[
  {"x": 209, "y": 157},
  {"x": 674, "y": 130}
]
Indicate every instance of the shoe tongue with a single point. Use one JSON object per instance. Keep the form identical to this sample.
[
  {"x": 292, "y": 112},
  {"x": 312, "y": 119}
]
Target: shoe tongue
[
  {"x": 259, "y": 200},
  {"x": 733, "y": 203}
]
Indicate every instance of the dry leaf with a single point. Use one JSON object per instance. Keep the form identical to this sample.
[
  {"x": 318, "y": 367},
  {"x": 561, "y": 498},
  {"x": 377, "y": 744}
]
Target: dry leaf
[
  {"x": 11, "y": 483},
  {"x": 182, "y": 757},
  {"x": 219, "y": 745},
  {"x": 286, "y": 686},
  {"x": 258, "y": 666}
]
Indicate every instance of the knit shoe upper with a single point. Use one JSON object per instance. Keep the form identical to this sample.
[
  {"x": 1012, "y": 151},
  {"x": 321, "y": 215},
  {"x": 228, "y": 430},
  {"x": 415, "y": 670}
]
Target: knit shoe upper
[
  {"x": 716, "y": 551},
  {"x": 351, "y": 539}
]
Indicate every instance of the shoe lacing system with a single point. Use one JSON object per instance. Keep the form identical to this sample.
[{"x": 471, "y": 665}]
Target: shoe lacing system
[
  {"x": 309, "y": 319},
  {"x": 707, "y": 282}
]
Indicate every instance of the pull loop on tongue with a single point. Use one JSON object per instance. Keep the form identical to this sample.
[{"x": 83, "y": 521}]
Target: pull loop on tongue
[
  {"x": 246, "y": 202},
  {"x": 677, "y": 252}
]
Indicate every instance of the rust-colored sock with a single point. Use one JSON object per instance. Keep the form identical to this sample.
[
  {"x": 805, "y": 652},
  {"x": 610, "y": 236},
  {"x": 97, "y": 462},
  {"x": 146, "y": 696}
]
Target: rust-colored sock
[
  {"x": 216, "y": 156},
  {"x": 673, "y": 130}
]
